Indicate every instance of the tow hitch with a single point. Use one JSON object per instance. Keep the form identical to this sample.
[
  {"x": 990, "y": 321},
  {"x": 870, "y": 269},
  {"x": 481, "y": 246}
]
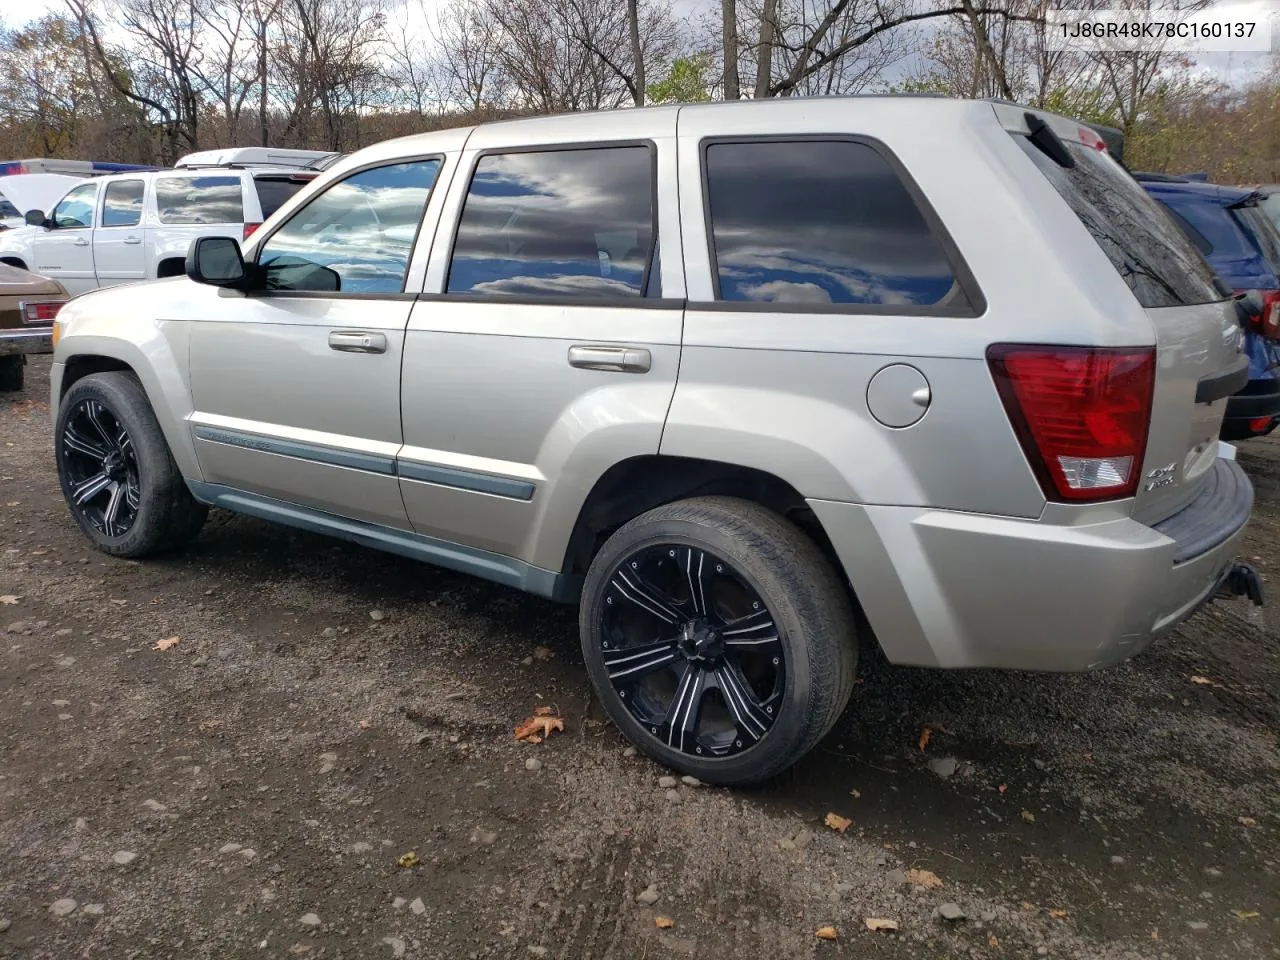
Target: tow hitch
[{"x": 1241, "y": 580}]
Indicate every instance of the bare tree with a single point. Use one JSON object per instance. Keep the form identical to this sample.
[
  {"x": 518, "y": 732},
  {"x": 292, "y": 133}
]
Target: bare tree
[
  {"x": 729, "y": 19},
  {"x": 637, "y": 53},
  {"x": 470, "y": 70},
  {"x": 764, "y": 49},
  {"x": 227, "y": 71}
]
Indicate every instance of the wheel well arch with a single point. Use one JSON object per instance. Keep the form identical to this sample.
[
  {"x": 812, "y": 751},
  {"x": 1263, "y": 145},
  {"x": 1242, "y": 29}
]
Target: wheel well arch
[
  {"x": 171, "y": 267},
  {"x": 634, "y": 486},
  {"x": 14, "y": 262},
  {"x": 81, "y": 365}
]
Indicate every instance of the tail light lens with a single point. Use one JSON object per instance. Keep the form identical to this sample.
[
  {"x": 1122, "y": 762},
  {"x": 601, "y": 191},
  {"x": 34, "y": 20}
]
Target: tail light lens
[
  {"x": 248, "y": 230},
  {"x": 1263, "y": 308},
  {"x": 1081, "y": 414},
  {"x": 42, "y": 312}
]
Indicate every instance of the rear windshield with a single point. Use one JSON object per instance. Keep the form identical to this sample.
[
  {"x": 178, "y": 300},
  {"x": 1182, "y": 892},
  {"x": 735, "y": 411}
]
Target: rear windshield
[
  {"x": 214, "y": 199},
  {"x": 273, "y": 192},
  {"x": 1261, "y": 231},
  {"x": 1159, "y": 263}
]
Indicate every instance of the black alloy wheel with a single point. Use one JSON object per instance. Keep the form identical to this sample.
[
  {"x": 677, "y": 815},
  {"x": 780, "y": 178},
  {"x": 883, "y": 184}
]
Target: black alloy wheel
[{"x": 100, "y": 466}]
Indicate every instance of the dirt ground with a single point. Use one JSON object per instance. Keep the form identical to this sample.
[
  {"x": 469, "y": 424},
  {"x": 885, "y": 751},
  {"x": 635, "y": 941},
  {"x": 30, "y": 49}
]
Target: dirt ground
[{"x": 327, "y": 709}]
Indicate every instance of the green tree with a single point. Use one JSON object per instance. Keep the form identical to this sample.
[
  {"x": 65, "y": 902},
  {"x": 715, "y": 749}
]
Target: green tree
[{"x": 688, "y": 80}]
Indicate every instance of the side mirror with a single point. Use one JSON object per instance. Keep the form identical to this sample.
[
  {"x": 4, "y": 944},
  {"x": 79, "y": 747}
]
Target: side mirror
[
  {"x": 216, "y": 261},
  {"x": 35, "y": 218}
]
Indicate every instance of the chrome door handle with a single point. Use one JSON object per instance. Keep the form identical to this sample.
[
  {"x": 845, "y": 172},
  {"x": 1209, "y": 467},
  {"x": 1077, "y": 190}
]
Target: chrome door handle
[
  {"x": 132, "y": 240},
  {"x": 358, "y": 341},
  {"x": 80, "y": 242},
  {"x": 615, "y": 359}
]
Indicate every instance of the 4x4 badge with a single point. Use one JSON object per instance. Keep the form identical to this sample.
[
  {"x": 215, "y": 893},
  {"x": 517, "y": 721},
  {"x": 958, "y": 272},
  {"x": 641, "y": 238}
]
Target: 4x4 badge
[{"x": 1161, "y": 477}]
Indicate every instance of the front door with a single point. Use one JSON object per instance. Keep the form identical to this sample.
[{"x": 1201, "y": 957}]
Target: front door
[
  {"x": 118, "y": 251},
  {"x": 544, "y": 352},
  {"x": 64, "y": 251},
  {"x": 296, "y": 387}
]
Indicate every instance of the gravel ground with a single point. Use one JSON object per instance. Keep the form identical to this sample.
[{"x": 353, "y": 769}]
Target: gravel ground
[{"x": 327, "y": 709}]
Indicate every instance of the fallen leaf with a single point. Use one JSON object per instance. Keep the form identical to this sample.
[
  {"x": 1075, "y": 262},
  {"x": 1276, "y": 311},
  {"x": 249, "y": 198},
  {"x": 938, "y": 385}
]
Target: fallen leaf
[
  {"x": 1003, "y": 787},
  {"x": 877, "y": 924},
  {"x": 924, "y": 878},
  {"x": 366, "y": 724},
  {"x": 9, "y": 598},
  {"x": 544, "y": 711},
  {"x": 543, "y": 653},
  {"x": 663, "y": 923},
  {"x": 925, "y": 736},
  {"x": 1247, "y": 914},
  {"x": 837, "y": 823},
  {"x": 994, "y": 941},
  {"x": 1028, "y": 905},
  {"x": 1155, "y": 933},
  {"x": 1028, "y": 816},
  {"x": 167, "y": 643},
  {"x": 1247, "y": 821},
  {"x": 1203, "y": 681},
  {"x": 408, "y": 860},
  {"x": 1057, "y": 914},
  {"x": 210, "y": 723},
  {"x": 856, "y": 794},
  {"x": 539, "y": 727},
  {"x": 826, "y": 933}
]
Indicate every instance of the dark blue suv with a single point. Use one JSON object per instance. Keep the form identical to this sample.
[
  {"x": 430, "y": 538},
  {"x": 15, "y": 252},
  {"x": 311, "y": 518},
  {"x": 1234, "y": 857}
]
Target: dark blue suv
[{"x": 1231, "y": 229}]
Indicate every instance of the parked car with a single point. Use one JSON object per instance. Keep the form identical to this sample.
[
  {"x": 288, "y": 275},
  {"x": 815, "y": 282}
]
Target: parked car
[
  {"x": 73, "y": 168},
  {"x": 585, "y": 356},
  {"x": 1228, "y": 225},
  {"x": 138, "y": 226},
  {"x": 28, "y": 306},
  {"x": 256, "y": 157}
]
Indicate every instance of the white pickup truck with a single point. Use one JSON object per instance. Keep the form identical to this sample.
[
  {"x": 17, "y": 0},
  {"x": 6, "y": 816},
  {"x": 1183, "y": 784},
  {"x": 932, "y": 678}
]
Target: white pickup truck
[{"x": 138, "y": 226}]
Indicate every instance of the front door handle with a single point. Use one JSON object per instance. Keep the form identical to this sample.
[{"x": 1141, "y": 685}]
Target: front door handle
[
  {"x": 614, "y": 359},
  {"x": 132, "y": 240},
  {"x": 80, "y": 242},
  {"x": 358, "y": 341}
]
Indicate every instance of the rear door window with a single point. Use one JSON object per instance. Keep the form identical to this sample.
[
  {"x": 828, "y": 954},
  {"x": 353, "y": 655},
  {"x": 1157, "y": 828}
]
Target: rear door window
[
  {"x": 200, "y": 200},
  {"x": 1161, "y": 265},
  {"x": 122, "y": 205},
  {"x": 273, "y": 192}
]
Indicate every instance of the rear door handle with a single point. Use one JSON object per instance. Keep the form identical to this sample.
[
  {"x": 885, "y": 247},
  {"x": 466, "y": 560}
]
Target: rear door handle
[
  {"x": 80, "y": 242},
  {"x": 615, "y": 359},
  {"x": 358, "y": 341},
  {"x": 132, "y": 240}
]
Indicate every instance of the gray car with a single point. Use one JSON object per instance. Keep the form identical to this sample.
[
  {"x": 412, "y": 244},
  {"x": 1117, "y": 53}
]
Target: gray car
[{"x": 747, "y": 382}]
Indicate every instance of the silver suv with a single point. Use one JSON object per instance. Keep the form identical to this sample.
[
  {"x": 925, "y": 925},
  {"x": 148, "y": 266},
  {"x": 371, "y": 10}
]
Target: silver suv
[{"x": 744, "y": 381}]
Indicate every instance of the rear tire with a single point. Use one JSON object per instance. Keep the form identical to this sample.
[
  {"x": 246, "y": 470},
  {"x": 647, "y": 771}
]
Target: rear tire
[
  {"x": 719, "y": 638},
  {"x": 116, "y": 472},
  {"x": 12, "y": 373}
]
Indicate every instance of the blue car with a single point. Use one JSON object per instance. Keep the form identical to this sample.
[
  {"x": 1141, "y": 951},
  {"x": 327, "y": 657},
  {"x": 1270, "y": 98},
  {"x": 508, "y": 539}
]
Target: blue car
[{"x": 1231, "y": 228}]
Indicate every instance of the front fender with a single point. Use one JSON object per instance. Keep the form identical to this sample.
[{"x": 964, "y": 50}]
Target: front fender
[{"x": 114, "y": 324}]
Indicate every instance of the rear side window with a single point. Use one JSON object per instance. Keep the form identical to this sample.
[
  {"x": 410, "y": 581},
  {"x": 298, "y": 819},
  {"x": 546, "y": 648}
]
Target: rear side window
[
  {"x": 1161, "y": 266},
  {"x": 561, "y": 224},
  {"x": 273, "y": 192},
  {"x": 199, "y": 200},
  {"x": 819, "y": 222},
  {"x": 1186, "y": 226},
  {"x": 122, "y": 204},
  {"x": 1260, "y": 230}
]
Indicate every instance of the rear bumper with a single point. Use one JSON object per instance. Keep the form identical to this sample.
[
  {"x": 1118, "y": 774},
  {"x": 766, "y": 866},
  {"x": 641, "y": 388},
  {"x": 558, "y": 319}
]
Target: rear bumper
[
  {"x": 26, "y": 341},
  {"x": 952, "y": 589}
]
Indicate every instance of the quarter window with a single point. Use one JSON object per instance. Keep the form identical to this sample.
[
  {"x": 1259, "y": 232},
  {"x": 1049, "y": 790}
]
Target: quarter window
[
  {"x": 819, "y": 222},
  {"x": 561, "y": 224},
  {"x": 122, "y": 205},
  {"x": 75, "y": 210},
  {"x": 200, "y": 200},
  {"x": 356, "y": 237}
]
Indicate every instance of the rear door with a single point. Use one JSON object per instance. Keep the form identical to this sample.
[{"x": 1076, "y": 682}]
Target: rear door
[
  {"x": 65, "y": 250},
  {"x": 1199, "y": 341},
  {"x": 118, "y": 252}
]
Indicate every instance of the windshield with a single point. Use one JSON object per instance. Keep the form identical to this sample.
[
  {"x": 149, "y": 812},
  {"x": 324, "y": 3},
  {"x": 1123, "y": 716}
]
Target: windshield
[{"x": 8, "y": 210}]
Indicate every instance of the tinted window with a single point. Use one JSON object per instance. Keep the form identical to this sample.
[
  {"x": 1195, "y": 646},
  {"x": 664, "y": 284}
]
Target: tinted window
[
  {"x": 1195, "y": 236},
  {"x": 1261, "y": 231},
  {"x": 560, "y": 223},
  {"x": 273, "y": 192},
  {"x": 122, "y": 204},
  {"x": 7, "y": 209},
  {"x": 200, "y": 200},
  {"x": 356, "y": 236},
  {"x": 75, "y": 210},
  {"x": 819, "y": 222},
  {"x": 1161, "y": 266},
  {"x": 1271, "y": 206}
]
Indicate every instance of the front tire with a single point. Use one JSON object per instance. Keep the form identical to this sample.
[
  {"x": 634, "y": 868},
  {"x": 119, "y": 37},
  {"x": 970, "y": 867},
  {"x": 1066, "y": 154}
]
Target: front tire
[
  {"x": 718, "y": 638},
  {"x": 116, "y": 472},
  {"x": 12, "y": 373}
]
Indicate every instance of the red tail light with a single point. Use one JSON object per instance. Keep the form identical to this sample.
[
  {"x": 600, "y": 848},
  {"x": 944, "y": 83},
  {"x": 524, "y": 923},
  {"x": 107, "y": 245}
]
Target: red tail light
[
  {"x": 40, "y": 311},
  {"x": 1081, "y": 414},
  {"x": 248, "y": 230},
  {"x": 1263, "y": 307},
  {"x": 1091, "y": 139}
]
